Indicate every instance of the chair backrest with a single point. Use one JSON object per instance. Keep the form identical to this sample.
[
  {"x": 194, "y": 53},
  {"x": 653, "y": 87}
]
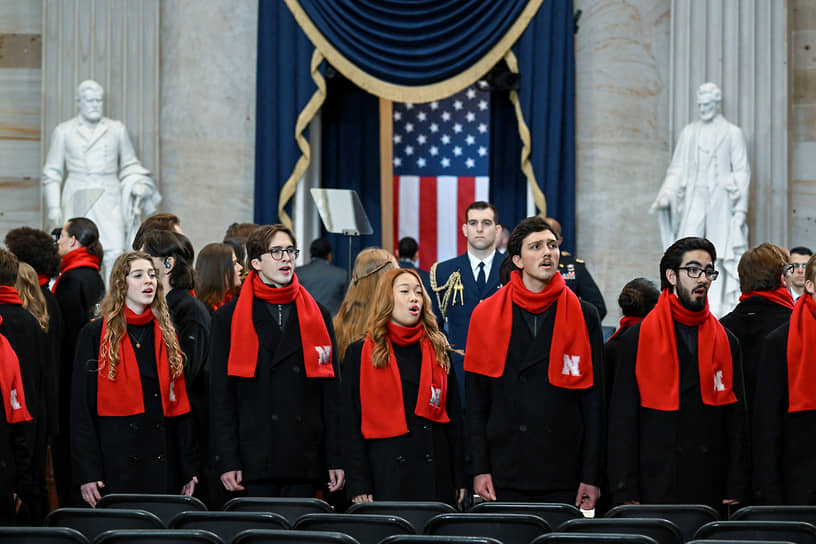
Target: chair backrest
[
  {"x": 687, "y": 517},
  {"x": 594, "y": 538},
  {"x": 794, "y": 531},
  {"x": 552, "y": 512},
  {"x": 267, "y": 536},
  {"x": 42, "y": 535},
  {"x": 775, "y": 513},
  {"x": 365, "y": 528},
  {"x": 438, "y": 539},
  {"x": 663, "y": 531},
  {"x": 506, "y": 528},
  {"x": 416, "y": 513},
  {"x": 164, "y": 506},
  {"x": 290, "y": 508},
  {"x": 228, "y": 524},
  {"x": 158, "y": 536},
  {"x": 715, "y": 541},
  {"x": 92, "y": 522}
]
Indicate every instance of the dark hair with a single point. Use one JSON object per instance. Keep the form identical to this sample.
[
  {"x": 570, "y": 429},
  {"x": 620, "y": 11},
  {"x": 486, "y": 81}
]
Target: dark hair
[
  {"x": 810, "y": 269},
  {"x": 8, "y": 268},
  {"x": 157, "y": 221},
  {"x": 216, "y": 275},
  {"x": 761, "y": 268},
  {"x": 86, "y": 233},
  {"x": 506, "y": 270},
  {"x": 239, "y": 249},
  {"x": 638, "y": 297},
  {"x": 240, "y": 231},
  {"x": 482, "y": 205},
  {"x": 527, "y": 226},
  {"x": 801, "y": 250},
  {"x": 673, "y": 257},
  {"x": 35, "y": 247},
  {"x": 407, "y": 248},
  {"x": 164, "y": 244},
  {"x": 258, "y": 242},
  {"x": 320, "y": 248}
]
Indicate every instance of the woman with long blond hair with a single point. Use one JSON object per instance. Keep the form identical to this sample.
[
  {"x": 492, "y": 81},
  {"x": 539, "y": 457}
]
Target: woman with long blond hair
[
  {"x": 28, "y": 287},
  {"x": 405, "y": 440},
  {"x": 131, "y": 430},
  {"x": 351, "y": 318}
]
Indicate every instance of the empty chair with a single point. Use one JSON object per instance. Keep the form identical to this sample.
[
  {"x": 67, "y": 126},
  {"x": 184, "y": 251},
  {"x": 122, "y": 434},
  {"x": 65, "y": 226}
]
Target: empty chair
[
  {"x": 594, "y": 538},
  {"x": 365, "y": 528},
  {"x": 164, "y": 506},
  {"x": 553, "y": 513},
  {"x": 506, "y": 528},
  {"x": 775, "y": 513},
  {"x": 92, "y": 522},
  {"x": 158, "y": 536},
  {"x": 663, "y": 531},
  {"x": 439, "y": 539},
  {"x": 794, "y": 531},
  {"x": 416, "y": 513},
  {"x": 42, "y": 535},
  {"x": 687, "y": 517},
  {"x": 267, "y": 536},
  {"x": 227, "y": 524},
  {"x": 290, "y": 508}
]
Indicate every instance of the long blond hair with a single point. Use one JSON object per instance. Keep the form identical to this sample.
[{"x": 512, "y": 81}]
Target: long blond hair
[
  {"x": 377, "y": 325},
  {"x": 32, "y": 296},
  {"x": 113, "y": 311},
  {"x": 350, "y": 321}
]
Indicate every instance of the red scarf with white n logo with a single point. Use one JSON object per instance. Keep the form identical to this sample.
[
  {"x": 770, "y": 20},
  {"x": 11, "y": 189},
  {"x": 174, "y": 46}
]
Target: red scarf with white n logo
[
  {"x": 381, "y": 402},
  {"x": 801, "y": 353},
  {"x": 123, "y": 395},
  {"x": 314, "y": 336},
  {"x": 657, "y": 367},
  {"x": 11, "y": 383},
  {"x": 492, "y": 323}
]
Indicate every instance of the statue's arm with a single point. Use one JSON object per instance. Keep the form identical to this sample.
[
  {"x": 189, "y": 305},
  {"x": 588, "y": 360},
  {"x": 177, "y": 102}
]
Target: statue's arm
[
  {"x": 740, "y": 171},
  {"x": 53, "y": 172}
]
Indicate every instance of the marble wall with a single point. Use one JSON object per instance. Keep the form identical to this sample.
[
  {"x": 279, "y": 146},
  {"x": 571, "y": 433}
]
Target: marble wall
[{"x": 803, "y": 123}]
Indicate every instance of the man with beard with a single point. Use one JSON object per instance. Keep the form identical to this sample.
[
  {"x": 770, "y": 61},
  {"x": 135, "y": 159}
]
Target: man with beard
[
  {"x": 459, "y": 284},
  {"x": 677, "y": 415},
  {"x": 785, "y": 409}
]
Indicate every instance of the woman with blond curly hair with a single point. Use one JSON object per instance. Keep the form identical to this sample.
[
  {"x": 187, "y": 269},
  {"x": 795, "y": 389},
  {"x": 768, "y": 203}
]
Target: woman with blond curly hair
[
  {"x": 131, "y": 430},
  {"x": 351, "y": 318},
  {"x": 405, "y": 440}
]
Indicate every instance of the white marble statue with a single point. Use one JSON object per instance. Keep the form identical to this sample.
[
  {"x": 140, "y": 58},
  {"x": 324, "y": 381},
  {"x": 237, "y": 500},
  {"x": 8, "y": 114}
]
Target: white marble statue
[
  {"x": 705, "y": 193},
  {"x": 104, "y": 180}
]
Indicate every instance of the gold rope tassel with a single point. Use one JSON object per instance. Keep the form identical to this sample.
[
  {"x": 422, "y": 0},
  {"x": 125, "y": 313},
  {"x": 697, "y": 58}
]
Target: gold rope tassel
[
  {"x": 303, "y": 120},
  {"x": 524, "y": 134}
]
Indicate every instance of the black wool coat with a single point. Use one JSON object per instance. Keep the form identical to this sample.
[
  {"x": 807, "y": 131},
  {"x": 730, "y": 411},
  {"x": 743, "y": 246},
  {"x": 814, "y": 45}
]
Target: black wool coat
[
  {"x": 56, "y": 336},
  {"x": 695, "y": 455},
  {"x": 527, "y": 433},
  {"x": 140, "y": 453},
  {"x": 427, "y": 463},
  {"x": 784, "y": 469},
  {"x": 278, "y": 424}
]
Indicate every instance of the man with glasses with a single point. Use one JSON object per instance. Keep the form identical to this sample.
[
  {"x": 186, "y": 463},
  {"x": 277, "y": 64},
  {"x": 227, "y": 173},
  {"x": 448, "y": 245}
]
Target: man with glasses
[
  {"x": 274, "y": 380},
  {"x": 799, "y": 256},
  {"x": 677, "y": 415}
]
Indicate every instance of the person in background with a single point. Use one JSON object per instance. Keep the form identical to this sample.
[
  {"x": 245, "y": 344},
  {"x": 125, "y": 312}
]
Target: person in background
[
  {"x": 218, "y": 275},
  {"x": 408, "y": 255},
  {"x": 157, "y": 221},
  {"x": 799, "y": 256},
  {"x": 324, "y": 281}
]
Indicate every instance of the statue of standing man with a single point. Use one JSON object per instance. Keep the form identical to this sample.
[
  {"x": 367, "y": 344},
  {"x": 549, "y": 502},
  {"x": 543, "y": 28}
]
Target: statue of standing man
[
  {"x": 104, "y": 180},
  {"x": 705, "y": 193}
]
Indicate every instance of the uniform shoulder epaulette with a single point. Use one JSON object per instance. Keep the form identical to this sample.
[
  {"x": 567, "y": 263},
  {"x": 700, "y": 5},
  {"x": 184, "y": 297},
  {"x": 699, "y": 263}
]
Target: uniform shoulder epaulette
[
  {"x": 452, "y": 286},
  {"x": 565, "y": 253},
  {"x": 579, "y": 261}
]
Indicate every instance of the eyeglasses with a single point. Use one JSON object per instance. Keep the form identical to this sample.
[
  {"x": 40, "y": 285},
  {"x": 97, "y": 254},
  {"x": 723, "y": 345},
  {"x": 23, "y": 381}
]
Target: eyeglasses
[
  {"x": 694, "y": 272},
  {"x": 277, "y": 252},
  {"x": 794, "y": 266}
]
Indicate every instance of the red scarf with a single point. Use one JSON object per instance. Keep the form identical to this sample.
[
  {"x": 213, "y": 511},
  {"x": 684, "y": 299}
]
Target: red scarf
[
  {"x": 657, "y": 367},
  {"x": 42, "y": 279},
  {"x": 492, "y": 323},
  {"x": 381, "y": 400},
  {"x": 314, "y": 336},
  {"x": 11, "y": 383},
  {"x": 802, "y": 355},
  {"x": 9, "y": 295},
  {"x": 77, "y": 258},
  {"x": 780, "y": 296},
  {"x": 123, "y": 396},
  {"x": 626, "y": 321}
]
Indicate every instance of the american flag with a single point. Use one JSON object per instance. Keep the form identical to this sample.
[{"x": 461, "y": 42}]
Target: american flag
[{"x": 441, "y": 152}]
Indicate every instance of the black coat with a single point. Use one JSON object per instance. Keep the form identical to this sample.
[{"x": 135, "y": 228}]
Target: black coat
[
  {"x": 527, "y": 433},
  {"x": 751, "y": 321},
  {"x": 578, "y": 278},
  {"x": 784, "y": 464},
  {"x": 56, "y": 336},
  {"x": 278, "y": 424},
  {"x": 427, "y": 463},
  {"x": 140, "y": 453},
  {"x": 695, "y": 455}
]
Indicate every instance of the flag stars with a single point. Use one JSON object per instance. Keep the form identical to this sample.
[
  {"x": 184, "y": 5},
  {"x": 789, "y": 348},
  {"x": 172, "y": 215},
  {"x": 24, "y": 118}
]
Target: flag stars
[
  {"x": 434, "y": 105},
  {"x": 397, "y": 138},
  {"x": 482, "y": 128},
  {"x": 421, "y": 162},
  {"x": 482, "y": 151},
  {"x": 457, "y": 150},
  {"x": 421, "y": 139},
  {"x": 470, "y": 163},
  {"x": 446, "y": 116},
  {"x": 445, "y": 139},
  {"x": 470, "y": 117},
  {"x": 409, "y": 127},
  {"x": 397, "y": 116},
  {"x": 397, "y": 162},
  {"x": 457, "y": 128},
  {"x": 409, "y": 106},
  {"x": 422, "y": 116},
  {"x": 483, "y": 105},
  {"x": 471, "y": 93},
  {"x": 445, "y": 162},
  {"x": 409, "y": 150},
  {"x": 434, "y": 151},
  {"x": 434, "y": 128},
  {"x": 457, "y": 105},
  {"x": 470, "y": 140}
]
